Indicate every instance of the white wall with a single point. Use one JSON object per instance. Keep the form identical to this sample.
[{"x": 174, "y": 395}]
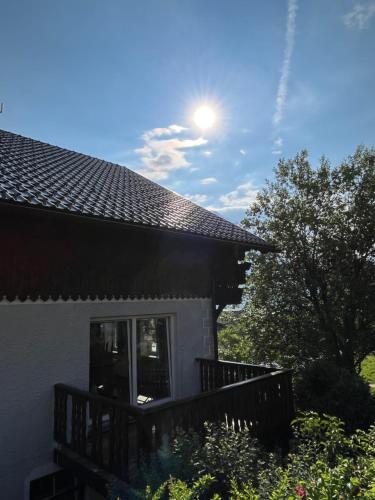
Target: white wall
[{"x": 47, "y": 343}]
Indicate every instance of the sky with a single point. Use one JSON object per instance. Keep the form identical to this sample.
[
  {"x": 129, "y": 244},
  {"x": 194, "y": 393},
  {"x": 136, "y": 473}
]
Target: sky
[{"x": 121, "y": 80}]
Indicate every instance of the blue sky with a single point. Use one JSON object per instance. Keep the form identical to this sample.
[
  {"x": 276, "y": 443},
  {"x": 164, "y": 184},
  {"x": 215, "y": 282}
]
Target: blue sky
[{"x": 121, "y": 79}]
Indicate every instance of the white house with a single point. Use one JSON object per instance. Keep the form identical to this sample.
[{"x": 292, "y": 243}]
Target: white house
[{"x": 110, "y": 286}]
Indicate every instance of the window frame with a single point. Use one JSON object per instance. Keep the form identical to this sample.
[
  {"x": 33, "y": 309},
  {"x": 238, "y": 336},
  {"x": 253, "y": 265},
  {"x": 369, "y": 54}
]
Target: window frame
[{"x": 133, "y": 379}]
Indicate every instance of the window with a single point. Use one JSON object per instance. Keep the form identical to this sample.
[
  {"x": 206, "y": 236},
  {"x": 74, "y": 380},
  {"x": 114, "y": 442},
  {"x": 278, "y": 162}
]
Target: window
[
  {"x": 153, "y": 363},
  {"x": 130, "y": 359},
  {"x": 110, "y": 359}
]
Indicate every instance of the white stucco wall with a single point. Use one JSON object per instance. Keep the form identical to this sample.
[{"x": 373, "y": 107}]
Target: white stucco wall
[{"x": 47, "y": 343}]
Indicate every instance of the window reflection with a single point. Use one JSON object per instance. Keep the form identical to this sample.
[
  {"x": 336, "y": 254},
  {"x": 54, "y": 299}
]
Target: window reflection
[
  {"x": 109, "y": 359},
  {"x": 152, "y": 360}
]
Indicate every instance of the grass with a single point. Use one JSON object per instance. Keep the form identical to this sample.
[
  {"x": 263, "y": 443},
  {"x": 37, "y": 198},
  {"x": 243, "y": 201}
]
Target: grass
[{"x": 368, "y": 370}]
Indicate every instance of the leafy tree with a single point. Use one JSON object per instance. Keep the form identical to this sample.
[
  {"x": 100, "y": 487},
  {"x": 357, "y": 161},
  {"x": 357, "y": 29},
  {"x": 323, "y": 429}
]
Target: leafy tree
[{"x": 316, "y": 297}]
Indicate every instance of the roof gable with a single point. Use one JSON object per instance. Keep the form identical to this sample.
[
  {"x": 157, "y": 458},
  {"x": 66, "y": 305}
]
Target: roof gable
[{"x": 37, "y": 174}]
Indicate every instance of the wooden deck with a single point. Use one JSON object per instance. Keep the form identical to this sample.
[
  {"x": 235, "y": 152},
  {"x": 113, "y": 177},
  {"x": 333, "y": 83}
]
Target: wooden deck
[{"x": 114, "y": 435}]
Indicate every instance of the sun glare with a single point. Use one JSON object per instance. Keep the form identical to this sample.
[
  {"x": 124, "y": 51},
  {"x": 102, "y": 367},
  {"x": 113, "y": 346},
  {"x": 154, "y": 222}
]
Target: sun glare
[{"x": 204, "y": 117}]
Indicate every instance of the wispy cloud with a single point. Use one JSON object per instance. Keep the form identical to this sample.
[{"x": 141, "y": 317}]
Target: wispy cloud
[
  {"x": 360, "y": 16},
  {"x": 238, "y": 199},
  {"x": 208, "y": 180},
  {"x": 196, "y": 198},
  {"x": 277, "y": 145},
  {"x": 163, "y": 131},
  {"x": 282, "y": 90},
  {"x": 161, "y": 155}
]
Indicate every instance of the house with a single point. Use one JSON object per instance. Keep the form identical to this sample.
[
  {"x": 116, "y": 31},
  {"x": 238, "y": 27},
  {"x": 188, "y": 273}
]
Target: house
[{"x": 110, "y": 287}]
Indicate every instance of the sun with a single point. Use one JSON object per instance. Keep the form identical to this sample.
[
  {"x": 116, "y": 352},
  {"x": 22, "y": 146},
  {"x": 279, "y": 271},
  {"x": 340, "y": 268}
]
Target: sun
[{"x": 204, "y": 117}]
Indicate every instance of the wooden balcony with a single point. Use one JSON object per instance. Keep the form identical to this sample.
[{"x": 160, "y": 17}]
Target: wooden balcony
[{"x": 113, "y": 435}]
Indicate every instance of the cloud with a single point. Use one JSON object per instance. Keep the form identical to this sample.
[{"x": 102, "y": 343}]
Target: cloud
[
  {"x": 208, "y": 180},
  {"x": 282, "y": 90},
  {"x": 207, "y": 153},
  {"x": 243, "y": 152},
  {"x": 196, "y": 198},
  {"x": 277, "y": 144},
  {"x": 360, "y": 16},
  {"x": 238, "y": 199},
  {"x": 162, "y": 156},
  {"x": 162, "y": 131}
]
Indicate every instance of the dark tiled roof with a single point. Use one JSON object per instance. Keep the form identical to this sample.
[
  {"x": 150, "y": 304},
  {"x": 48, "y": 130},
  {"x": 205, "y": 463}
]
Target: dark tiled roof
[{"x": 38, "y": 174}]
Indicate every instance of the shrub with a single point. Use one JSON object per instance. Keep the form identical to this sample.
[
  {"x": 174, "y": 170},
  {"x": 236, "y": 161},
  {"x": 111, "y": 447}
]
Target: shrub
[
  {"x": 222, "y": 452},
  {"x": 324, "y": 464},
  {"x": 326, "y": 388}
]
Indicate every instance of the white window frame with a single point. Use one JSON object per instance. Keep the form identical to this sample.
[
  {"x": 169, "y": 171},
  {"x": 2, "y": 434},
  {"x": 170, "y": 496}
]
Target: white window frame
[{"x": 132, "y": 345}]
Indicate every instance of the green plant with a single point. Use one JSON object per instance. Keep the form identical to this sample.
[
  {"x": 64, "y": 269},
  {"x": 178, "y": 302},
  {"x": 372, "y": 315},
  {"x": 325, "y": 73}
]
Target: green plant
[
  {"x": 175, "y": 489},
  {"x": 324, "y": 464}
]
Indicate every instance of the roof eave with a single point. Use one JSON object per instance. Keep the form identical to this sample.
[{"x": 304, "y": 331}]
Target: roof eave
[{"x": 263, "y": 248}]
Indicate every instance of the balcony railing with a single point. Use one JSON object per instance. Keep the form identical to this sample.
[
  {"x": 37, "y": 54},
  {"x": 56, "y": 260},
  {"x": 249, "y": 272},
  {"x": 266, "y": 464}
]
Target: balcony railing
[
  {"x": 215, "y": 373},
  {"x": 113, "y": 434}
]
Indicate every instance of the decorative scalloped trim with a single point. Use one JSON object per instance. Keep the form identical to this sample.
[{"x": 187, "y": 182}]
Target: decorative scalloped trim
[{"x": 80, "y": 300}]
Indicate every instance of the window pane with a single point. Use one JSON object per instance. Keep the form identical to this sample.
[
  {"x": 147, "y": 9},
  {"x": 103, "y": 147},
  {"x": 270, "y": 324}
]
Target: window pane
[
  {"x": 109, "y": 359},
  {"x": 153, "y": 377}
]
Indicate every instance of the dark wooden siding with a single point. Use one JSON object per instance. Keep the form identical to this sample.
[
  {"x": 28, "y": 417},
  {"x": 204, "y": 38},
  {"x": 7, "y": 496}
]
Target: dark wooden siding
[{"x": 50, "y": 255}]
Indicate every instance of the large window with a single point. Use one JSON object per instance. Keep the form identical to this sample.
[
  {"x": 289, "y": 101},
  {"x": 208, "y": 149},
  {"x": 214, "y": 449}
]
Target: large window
[{"x": 130, "y": 359}]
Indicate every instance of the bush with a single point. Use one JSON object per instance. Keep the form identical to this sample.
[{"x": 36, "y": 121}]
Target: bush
[
  {"x": 326, "y": 388},
  {"x": 325, "y": 464},
  {"x": 221, "y": 452}
]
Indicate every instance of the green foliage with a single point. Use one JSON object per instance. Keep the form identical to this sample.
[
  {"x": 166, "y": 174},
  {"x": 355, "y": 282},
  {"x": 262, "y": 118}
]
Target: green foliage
[
  {"x": 222, "y": 453},
  {"x": 175, "y": 489},
  {"x": 234, "y": 345},
  {"x": 316, "y": 298},
  {"x": 327, "y": 388},
  {"x": 368, "y": 371},
  {"x": 229, "y": 454},
  {"x": 324, "y": 464}
]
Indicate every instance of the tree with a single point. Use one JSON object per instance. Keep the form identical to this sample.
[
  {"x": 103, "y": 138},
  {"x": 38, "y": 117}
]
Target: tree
[{"x": 315, "y": 298}]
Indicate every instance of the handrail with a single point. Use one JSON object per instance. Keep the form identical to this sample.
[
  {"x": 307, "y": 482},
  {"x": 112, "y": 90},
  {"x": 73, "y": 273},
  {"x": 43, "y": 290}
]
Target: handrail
[
  {"x": 100, "y": 399},
  {"x": 144, "y": 411},
  {"x": 237, "y": 363}
]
